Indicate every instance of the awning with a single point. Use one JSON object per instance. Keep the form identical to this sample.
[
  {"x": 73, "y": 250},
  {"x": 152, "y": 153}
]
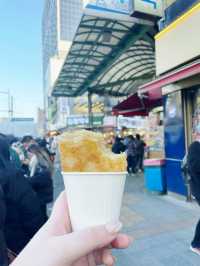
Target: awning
[
  {"x": 187, "y": 71},
  {"x": 108, "y": 57},
  {"x": 139, "y": 104}
]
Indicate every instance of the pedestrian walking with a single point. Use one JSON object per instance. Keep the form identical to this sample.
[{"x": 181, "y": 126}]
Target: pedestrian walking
[
  {"x": 41, "y": 171},
  {"x": 26, "y": 142},
  {"x": 23, "y": 213},
  {"x": 193, "y": 164},
  {"x": 45, "y": 146},
  {"x": 140, "y": 146},
  {"x": 131, "y": 155},
  {"x": 14, "y": 152}
]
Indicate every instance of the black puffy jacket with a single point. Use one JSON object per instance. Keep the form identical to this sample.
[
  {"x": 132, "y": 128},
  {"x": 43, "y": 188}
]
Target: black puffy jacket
[
  {"x": 24, "y": 216},
  {"x": 42, "y": 183},
  {"x": 193, "y": 164},
  {"x": 3, "y": 250}
]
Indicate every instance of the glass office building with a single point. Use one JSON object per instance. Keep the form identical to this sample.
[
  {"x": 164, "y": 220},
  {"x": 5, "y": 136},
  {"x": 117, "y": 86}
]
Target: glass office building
[
  {"x": 49, "y": 32},
  {"x": 70, "y": 14},
  {"x": 60, "y": 21},
  {"x": 59, "y": 24}
]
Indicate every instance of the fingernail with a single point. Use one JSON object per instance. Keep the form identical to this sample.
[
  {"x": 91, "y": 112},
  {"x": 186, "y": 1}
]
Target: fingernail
[{"x": 113, "y": 228}]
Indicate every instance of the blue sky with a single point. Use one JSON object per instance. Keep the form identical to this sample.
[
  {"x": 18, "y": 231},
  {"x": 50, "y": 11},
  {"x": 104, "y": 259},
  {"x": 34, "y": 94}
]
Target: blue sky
[{"x": 21, "y": 55}]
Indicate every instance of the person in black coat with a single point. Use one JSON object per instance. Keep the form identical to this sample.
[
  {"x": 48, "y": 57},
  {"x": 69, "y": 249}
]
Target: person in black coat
[
  {"x": 193, "y": 164},
  {"x": 24, "y": 215},
  {"x": 118, "y": 147},
  {"x": 140, "y": 146},
  {"x": 3, "y": 249},
  {"x": 41, "y": 171}
]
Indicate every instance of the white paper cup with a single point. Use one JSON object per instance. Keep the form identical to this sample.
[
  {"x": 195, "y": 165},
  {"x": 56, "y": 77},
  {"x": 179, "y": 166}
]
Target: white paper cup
[{"x": 94, "y": 198}]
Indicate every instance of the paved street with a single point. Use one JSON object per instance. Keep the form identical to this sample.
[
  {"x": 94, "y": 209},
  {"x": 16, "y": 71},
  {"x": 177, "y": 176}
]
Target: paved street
[{"x": 162, "y": 227}]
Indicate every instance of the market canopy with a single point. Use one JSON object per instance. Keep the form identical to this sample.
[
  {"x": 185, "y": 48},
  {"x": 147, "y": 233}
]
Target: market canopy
[
  {"x": 139, "y": 104},
  {"x": 107, "y": 57}
]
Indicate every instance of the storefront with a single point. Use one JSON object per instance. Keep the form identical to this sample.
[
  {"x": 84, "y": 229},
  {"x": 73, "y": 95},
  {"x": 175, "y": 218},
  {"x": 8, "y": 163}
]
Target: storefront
[
  {"x": 178, "y": 69},
  {"x": 143, "y": 113}
]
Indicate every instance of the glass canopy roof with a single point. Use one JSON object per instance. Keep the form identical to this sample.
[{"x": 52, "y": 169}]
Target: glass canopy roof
[{"x": 107, "y": 57}]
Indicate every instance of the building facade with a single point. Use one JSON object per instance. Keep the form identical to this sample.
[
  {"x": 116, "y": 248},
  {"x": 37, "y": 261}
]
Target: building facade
[
  {"x": 59, "y": 24},
  {"x": 178, "y": 75}
]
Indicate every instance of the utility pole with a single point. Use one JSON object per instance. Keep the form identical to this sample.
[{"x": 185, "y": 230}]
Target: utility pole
[
  {"x": 11, "y": 107},
  {"x": 9, "y": 104}
]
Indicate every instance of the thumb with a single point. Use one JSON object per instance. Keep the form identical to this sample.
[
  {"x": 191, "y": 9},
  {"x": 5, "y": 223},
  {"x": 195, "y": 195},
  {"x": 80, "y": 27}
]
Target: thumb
[{"x": 81, "y": 243}]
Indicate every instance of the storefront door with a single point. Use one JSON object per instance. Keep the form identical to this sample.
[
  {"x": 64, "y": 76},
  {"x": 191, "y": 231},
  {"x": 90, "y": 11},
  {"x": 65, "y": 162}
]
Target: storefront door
[{"x": 174, "y": 141}]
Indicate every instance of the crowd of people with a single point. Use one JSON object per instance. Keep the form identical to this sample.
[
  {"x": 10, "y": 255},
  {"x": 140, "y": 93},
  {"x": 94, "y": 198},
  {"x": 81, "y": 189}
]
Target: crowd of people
[
  {"x": 134, "y": 148},
  {"x": 26, "y": 187},
  {"x": 27, "y": 236}
]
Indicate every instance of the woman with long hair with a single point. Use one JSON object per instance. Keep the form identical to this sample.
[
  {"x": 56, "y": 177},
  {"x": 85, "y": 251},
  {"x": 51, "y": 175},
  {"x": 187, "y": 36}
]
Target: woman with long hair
[
  {"x": 41, "y": 171},
  {"x": 23, "y": 213}
]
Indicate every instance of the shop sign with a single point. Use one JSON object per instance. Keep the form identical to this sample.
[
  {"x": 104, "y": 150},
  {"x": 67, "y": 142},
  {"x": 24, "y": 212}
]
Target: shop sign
[
  {"x": 77, "y": 121},
  {"x": 83, "y": 120},
  {"x": 97, "y": 120},
  {"x": 131, "y": 122},
  {"x": 150, "y": 8},
  {"x": 117, "y": 6},
  {"x": 110, "y": 121}
]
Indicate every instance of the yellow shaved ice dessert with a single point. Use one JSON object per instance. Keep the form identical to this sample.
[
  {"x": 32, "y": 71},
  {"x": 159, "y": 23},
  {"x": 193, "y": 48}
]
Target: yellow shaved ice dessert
[{"x": 85, "y": 151}]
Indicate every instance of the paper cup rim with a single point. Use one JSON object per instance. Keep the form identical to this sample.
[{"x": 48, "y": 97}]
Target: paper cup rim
[{"x": 94, "y": 173}]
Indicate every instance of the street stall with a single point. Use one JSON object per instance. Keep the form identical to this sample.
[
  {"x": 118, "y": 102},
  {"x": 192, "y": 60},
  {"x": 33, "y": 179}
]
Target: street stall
[
  {"x": 109, "y": 129},
  {"x": 134, "y": 109},
  {"x": 143, "y": 114},
  {"x": 132, "y": 126}
]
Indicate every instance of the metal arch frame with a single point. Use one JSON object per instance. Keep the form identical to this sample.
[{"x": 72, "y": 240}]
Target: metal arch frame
[
  {"x": 124, "y": 59},
  {"x": 84, "y": 72},
  {"x": 124, "y": 44},
  {"x": 82, "y": 45},
  {"x": 79, "y": 64},
  {"x": 116, "y": 83},
  {"x": 140, "y": 77},
  {"x": 145, "y": 76},
  {"x": 151, "y": 74},
  {"x": 91, "y": 43},
  {"x": 91, "y": 52},
  {"x": 77, "y": 69},
  {"x": 102, "y": 28},
  {"x": 98, "y": 32},
  {"x": 127, "y": 57},
  {"x": 70, "y": 70},
  {"x": 128, "y": 71},
  {"x": 104, "y": 19},
  {"x": 132, "y": 69},
  {"x": 69, "y": 80},
  {"x": 83, "y": 50},
  {"x": 89, "y": 57}
]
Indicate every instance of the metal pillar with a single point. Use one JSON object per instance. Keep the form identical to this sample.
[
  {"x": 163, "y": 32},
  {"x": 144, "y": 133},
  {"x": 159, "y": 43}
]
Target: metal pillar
[{"x": 90, "y": 115}]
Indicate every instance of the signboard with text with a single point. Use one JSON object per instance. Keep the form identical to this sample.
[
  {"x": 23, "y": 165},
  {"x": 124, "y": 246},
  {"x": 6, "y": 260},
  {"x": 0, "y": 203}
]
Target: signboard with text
[
  {"x": 83, "y": 120},
  {"x": 118, "y": 6},
  {"x": 148, "y": 8}
]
